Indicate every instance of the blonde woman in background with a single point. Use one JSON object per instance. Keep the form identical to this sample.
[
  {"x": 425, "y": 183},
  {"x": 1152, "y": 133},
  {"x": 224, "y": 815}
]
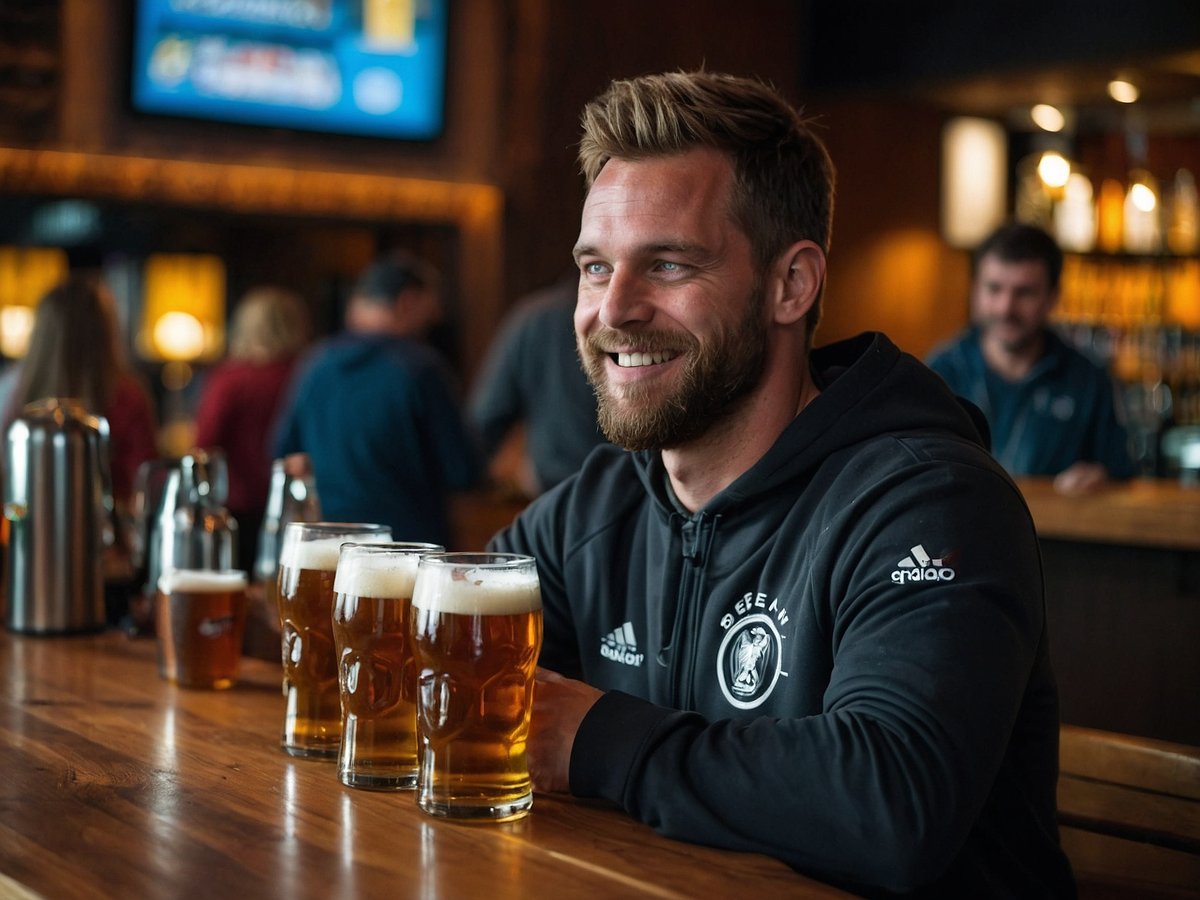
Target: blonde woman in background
[
  {"x": 240, "y": 396},
  {"x": 74, "y": 351}
]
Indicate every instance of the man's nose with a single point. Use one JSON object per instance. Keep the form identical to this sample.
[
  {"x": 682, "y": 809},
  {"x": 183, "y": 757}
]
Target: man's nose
[
  {"x": 627, "y": 300},
  {"x": 1004, "y": 301}
]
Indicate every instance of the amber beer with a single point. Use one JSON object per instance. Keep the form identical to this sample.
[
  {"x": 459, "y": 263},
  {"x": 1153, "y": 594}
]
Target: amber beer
[
  {"x": 312, "y": 719},
  {"x": 200, "y": 617},
  {"x": 477, "y": 631},
  {"x": 371, "y": 612}
]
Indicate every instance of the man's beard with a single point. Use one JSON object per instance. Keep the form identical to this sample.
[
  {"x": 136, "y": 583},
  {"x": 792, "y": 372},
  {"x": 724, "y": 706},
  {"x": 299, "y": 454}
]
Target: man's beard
[
  {"x": 1017, "y": 336},
  {"x": 717, "y": 373}
]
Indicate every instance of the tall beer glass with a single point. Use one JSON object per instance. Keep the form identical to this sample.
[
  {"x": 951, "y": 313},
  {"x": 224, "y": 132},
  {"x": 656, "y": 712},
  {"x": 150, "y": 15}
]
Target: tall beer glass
[
  {"x": 477, "y": 631},
  {"x": 312, "y": 719},
  {"x": 371, "y": 611}
]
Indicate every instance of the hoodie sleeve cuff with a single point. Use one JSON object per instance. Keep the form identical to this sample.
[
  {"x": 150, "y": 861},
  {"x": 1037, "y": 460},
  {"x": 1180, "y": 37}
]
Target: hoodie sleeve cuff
[{"x": 609, "y": 741}]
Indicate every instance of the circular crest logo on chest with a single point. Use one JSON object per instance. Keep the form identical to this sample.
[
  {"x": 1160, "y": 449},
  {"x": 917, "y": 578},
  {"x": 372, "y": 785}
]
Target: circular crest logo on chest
[{"x": 749, "y": 661}]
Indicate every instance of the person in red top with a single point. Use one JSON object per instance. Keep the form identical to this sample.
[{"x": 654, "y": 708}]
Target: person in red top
[
  {"x": 74, "y": 352},
  {"x": 240, "y": 396}
]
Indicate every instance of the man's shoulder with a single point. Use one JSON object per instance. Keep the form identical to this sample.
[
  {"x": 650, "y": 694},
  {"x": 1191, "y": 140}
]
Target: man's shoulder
[
  {"x": 953, "y": 350},
  {"x": 609, "y": 478},
  {"x": 381, "y": 351},
  {"x": 605, "y": 468},
  {"x": 323, "y": 351},
  {"x": 541, "y": 318},
  {"x": 1073, "y": 359}
]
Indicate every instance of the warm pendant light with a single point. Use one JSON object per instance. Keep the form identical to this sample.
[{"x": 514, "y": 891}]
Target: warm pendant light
[
  {"x": 26, "y": 273},
  {"x": 974, "y": 163},
  {"x": 183, "y": 308},
  {"x": 1142, "y": 214}
]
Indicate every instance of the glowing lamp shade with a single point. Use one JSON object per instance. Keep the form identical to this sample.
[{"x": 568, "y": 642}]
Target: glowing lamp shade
[
  {"x": 1142, "y": 215},
  {"x": 1075, "y": 215},
  {"x": 1054, "y": 169},
  {"x": 16, "y": 325},
  {"x": 183, "y": 308},
  {"x": 974, "y": 188},
  {"x": 26, "y": 273}
]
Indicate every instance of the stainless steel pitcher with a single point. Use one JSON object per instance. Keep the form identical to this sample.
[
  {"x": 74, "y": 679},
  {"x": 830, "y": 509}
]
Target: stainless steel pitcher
[{"x": 58, "y": 502}]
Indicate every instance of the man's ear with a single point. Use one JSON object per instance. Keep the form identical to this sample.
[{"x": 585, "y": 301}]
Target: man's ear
[{"x": 798, "y": 275}]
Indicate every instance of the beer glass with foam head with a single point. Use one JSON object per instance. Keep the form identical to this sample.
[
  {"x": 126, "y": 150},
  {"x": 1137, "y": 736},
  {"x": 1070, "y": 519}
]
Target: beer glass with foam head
[
  {"x": 371, "y": 610},
  {"x": 199, "y": 617},
  {"x": 312, "y": 719},
  {"x": 477, "y": 631}
]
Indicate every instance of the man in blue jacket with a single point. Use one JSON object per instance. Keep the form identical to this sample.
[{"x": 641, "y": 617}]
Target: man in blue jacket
[
  {"x": 777, "y": 621},
  {"x": 1052, "y": 411},
  {"x": 377, "y": 412}
]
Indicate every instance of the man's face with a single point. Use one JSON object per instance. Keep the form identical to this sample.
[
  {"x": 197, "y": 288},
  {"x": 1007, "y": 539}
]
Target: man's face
[
  {"x": 670, "y": 320},
  {"x": 1012, "y": 301}
]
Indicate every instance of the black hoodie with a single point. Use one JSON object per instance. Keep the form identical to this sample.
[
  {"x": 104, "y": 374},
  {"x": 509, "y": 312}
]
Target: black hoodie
[{"x": 839, "y": 661}]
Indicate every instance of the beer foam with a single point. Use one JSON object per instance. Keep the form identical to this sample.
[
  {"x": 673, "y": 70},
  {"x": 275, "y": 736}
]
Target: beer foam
[
  {"x": 201, "y": 580},
  {"x": 322, "y": 555},
  {"x": 478, "y": 592},
  {"x": 389, "y": 576}
]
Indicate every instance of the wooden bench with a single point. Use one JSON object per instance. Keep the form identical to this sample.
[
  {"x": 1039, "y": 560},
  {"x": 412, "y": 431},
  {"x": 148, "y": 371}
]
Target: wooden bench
[{"x": 1129, "y": 814}]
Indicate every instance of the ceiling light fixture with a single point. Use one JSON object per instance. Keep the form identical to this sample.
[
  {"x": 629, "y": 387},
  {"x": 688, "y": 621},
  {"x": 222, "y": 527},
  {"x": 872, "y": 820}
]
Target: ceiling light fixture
[
  {"x": 1123, "y": 91},
  {"x": 1047, "y": 117}
]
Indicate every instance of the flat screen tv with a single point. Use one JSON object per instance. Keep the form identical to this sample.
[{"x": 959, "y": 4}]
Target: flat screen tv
[{"x": 363, "y": 67}]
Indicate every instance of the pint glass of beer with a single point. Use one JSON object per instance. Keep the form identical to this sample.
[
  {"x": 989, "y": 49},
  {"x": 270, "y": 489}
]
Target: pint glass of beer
[
  {"x": 371, "y": 610},
  {"x": 200, "y": 616},
  {"x": 477, "y": 631},
  {"x": 312, "y": 719}
]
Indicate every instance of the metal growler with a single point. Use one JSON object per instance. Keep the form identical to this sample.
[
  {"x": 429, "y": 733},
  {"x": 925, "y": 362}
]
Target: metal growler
[
  {"x": 59, "y": 507},
  {"x": 194, "y": 530}
]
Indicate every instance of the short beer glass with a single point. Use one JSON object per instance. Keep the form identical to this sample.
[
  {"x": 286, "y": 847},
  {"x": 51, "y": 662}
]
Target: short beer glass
[
  {"x": 477, "y": 631},
  {"x": 371, "y": 612},
  {"x": 200, "y": 617},
  {"x": 312, "y": 719}
]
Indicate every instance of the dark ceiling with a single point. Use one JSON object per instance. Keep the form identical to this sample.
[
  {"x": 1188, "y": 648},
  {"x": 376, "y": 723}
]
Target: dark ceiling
[{"x": 993, "y": 56}]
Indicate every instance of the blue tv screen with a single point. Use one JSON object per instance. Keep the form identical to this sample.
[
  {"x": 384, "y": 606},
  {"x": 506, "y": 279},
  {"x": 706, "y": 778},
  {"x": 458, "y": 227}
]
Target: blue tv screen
[{"x": 364, "y": 67}]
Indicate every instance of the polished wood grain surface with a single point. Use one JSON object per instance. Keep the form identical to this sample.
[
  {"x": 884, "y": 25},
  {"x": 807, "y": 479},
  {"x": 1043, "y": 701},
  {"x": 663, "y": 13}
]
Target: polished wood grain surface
[
  {"x": 1144, "y": 512},
  {"x": 114, "y": 783}
]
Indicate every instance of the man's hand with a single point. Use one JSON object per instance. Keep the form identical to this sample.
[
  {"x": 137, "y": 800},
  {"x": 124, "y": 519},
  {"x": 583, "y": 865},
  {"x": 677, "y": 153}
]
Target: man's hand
[
  {"x": 1080, "y": 477},
  {"x": 559, "y": 705}
]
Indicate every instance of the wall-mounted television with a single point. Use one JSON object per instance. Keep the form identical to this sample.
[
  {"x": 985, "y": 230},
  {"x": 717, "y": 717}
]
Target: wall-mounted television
[{"x": 362, "y": 67}]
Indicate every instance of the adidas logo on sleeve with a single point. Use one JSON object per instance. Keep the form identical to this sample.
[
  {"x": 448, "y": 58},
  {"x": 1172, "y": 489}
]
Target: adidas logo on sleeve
[
  {"x": 920, "y": 566},
  {"x": 621, "y": 646}
]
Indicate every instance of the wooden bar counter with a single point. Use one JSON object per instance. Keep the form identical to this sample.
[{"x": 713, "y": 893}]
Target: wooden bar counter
[
  {"x": 1122, "y": 572},
  {"x": 114, "y": 783},
  {"x": 1145, "y": 512}
]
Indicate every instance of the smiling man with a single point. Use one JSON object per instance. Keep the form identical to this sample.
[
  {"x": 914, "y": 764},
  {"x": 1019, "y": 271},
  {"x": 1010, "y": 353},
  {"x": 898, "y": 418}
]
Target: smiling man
[
  {"x": 774, "y": 621},
  {"x": 1052, "y": 411}
]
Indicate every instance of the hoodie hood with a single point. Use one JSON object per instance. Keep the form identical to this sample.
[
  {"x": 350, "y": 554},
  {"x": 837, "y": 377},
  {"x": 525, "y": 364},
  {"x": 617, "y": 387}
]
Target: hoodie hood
[{"x": 869, "y": 387}]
